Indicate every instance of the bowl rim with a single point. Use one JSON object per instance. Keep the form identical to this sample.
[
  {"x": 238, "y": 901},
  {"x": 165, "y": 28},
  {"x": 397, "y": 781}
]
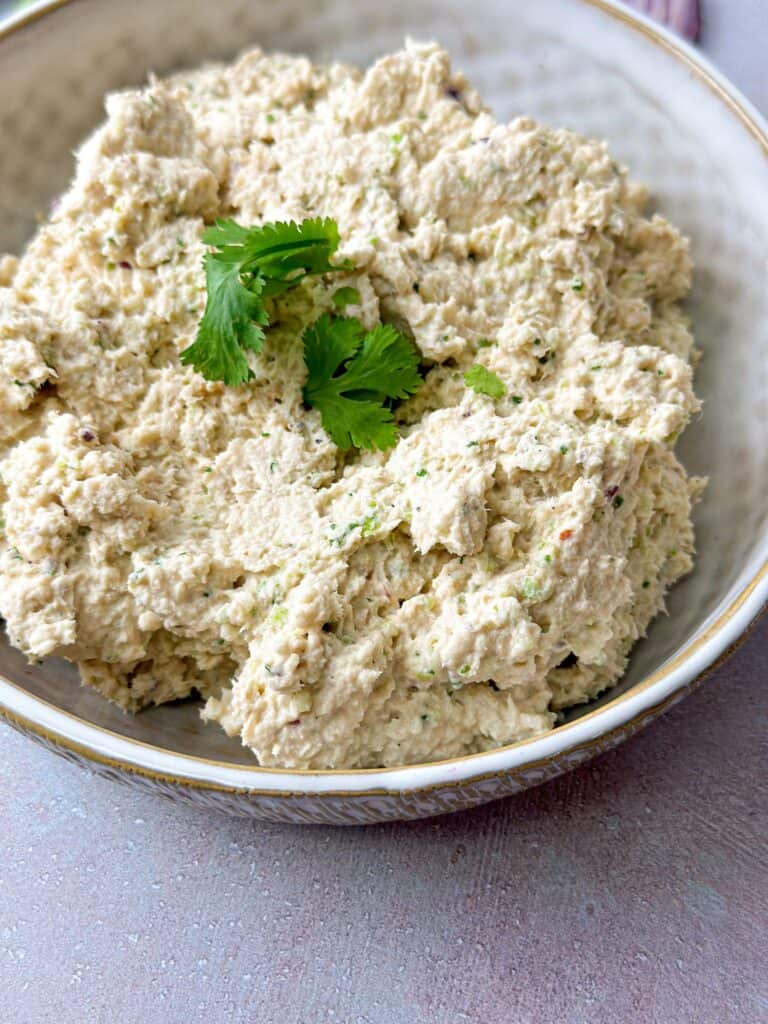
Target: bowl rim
[{"x": 618, "y": 716}]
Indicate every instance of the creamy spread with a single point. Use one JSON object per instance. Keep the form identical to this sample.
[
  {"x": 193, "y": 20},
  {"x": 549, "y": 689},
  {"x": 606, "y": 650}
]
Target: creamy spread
[{"x": 176, "y": 536}]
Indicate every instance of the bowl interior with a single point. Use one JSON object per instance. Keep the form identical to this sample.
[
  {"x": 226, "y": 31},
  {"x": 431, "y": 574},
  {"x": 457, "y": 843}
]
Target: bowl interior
[{"x": 562, "y": 62}]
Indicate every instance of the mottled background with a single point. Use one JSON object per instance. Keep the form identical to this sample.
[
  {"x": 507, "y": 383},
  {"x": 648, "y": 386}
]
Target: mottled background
[{"x": 634, "y": 889}]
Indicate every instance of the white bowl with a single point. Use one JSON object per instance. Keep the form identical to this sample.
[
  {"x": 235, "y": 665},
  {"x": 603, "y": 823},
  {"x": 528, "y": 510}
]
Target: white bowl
[{"x": 589, "y": 65}]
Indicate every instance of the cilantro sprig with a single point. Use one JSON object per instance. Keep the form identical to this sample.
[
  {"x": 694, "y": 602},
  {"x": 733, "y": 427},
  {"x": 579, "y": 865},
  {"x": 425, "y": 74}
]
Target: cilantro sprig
[
  {"x": 247, "y": 266},
  {"x": 353, "y": 375}
]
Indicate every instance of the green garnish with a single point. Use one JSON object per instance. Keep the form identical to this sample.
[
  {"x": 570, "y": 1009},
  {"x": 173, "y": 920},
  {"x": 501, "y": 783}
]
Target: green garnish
[
  {"x": 346, "y": 297},
  {"x": 369, "y": 524},
  {"x": 484, "y": 382},
  {"x": 279, "y": 616},
  {"x": 352, "y": 375},
  {"x": 248, "y": 266}
]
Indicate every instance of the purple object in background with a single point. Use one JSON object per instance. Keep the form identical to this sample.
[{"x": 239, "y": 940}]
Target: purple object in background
[{"x": 681, "y": 15}]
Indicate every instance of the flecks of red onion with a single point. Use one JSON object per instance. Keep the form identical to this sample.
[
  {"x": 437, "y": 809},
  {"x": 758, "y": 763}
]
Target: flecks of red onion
[{"x": 682, "y": 15}]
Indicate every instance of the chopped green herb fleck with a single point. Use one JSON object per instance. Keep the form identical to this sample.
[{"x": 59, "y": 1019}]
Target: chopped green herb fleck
[
  {"x": 484, "y": 382},
  {"x": 421, "y": 472},
  {"x": 618, "y": 501},
  {"x": 279, "y": 616},
  {"x": 346, "y": 296},
  {"x": 577, "y": 284},
  {"x": 563, "y": 449},
  {"x": 516, "y": 399},
  {"x": 646, "y": 584},
  {"x": 369, "y": 524}
]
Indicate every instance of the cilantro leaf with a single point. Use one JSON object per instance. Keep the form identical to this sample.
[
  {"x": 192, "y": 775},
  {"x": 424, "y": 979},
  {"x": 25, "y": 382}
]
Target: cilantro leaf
[
  {"x": 351, "y": 375},
  {"x": 484, "y": 382},
  {"x": 283, "y": 252},
  {"x": 248, "y": 265},
  {"x": 232, "y": 322}
]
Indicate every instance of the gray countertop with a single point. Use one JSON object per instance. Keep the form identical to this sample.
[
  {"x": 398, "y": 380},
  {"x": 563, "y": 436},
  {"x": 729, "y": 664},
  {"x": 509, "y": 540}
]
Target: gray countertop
[{"x": 634, "y": 889}]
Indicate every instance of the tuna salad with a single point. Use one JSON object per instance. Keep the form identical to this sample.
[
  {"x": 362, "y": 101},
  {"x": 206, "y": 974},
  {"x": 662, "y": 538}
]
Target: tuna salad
[{"x": 333, "y": 402}]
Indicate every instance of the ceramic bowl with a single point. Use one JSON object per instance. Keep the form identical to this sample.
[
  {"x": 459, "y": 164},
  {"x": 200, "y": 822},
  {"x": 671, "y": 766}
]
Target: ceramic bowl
[{"x": 586, "y": 64}]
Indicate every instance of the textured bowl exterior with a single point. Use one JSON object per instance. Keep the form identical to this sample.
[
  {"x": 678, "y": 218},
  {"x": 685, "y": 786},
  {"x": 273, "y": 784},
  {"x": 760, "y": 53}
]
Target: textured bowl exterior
[{"x": 587, "y": 64}]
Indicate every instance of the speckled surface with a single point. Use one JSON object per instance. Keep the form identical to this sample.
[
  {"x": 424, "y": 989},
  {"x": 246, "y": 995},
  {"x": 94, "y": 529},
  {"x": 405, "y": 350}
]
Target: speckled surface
[{"x": 634, "y": 889}]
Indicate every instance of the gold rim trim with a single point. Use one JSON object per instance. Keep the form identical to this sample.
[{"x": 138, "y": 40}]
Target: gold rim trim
[
  {"x": 668, "y": 44},
  {"x": 603, "y": 740},
  {"x": 602, "y": 743},
  {"x": 23, "y": 724}
]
